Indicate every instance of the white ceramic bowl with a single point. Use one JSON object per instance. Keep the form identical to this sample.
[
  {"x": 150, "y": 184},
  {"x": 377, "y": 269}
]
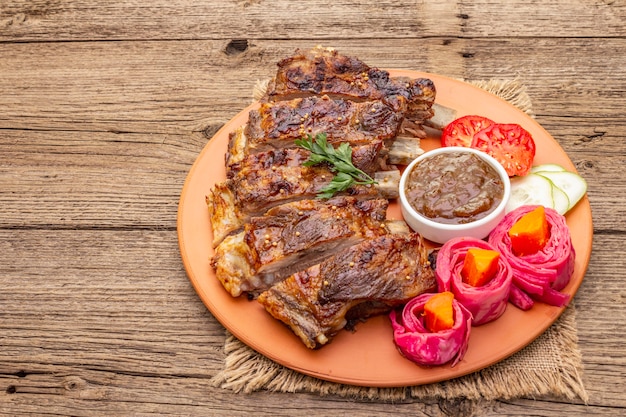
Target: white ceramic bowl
[{"x": 441, "y": 232}]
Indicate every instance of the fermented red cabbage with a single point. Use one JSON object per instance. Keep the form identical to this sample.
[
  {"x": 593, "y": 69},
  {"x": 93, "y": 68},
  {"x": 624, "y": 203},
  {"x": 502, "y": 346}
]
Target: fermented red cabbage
[
  {"x": 520, "y": 299},
  {"x": 487, "y": 302},
  {"x": 543, "y": 274},
  {"x": 424, "y": 347}
]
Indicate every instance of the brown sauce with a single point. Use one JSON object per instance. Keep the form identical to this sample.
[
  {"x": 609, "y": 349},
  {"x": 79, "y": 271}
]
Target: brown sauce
[{"x": 454, "y": 188}]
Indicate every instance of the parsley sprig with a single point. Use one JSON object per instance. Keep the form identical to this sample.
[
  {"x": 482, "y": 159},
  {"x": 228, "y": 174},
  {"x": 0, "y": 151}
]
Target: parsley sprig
[{"x": 340, "y": 161}]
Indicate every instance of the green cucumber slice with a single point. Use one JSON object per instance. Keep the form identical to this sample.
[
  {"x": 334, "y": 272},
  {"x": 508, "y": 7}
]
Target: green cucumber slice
[
  {"x": 560, "y": 200},
  {"x": 571, "y": 183},
  {"x": 531, "y": 189}
]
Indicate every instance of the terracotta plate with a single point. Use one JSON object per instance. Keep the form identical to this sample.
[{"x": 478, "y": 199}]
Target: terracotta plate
[{"x": 368, "y": 356}]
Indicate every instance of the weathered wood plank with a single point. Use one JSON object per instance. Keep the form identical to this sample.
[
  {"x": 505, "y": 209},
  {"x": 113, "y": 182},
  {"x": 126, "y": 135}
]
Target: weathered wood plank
[
  {"x": 253, "y": 19},
  {"x": 100, "y": 393},
  {"x": 98, "y": 180},
  {"x": 179, "y": 87}
]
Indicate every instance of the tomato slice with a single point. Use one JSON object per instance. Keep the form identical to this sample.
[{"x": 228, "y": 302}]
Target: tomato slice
[
  {"x": 510, "y": 144},
  {"x": 460, "y": 132}
]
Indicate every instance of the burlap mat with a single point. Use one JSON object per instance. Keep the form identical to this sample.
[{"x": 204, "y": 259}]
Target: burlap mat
[{"x": 550, "y": 365}]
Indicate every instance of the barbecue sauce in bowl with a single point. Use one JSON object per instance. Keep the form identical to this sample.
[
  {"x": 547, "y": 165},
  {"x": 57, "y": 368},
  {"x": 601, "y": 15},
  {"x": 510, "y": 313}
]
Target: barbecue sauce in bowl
[
  {"x": 452, "y": 192},
  {"x": 456, "y": 187}
]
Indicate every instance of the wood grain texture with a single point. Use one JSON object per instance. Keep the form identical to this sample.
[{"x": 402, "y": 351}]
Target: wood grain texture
[
  {"x": 42, "y": 20},
  {"x": 103, "y": 109}
]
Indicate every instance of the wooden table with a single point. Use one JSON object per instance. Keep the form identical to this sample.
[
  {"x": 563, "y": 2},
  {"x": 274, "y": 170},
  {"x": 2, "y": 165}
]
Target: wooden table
[{"x": 103, "y": 110}]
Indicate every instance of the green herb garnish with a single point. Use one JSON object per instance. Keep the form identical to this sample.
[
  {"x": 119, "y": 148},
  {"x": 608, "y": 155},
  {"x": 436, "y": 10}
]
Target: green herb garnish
[{"x": 340, "y": 162}]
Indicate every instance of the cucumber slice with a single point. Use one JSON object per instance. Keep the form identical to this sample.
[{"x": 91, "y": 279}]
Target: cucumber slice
[
  {"x": 571, "y": 183},
  {"x": 531, "y": 189},
  {"x": 546, "y": 167},
  {"x": 560, "y": 200}
]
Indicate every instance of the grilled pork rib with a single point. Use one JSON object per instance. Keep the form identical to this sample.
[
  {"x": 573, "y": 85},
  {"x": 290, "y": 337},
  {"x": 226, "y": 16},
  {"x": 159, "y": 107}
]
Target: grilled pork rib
[
  {"x": 370, "y": 157},
  {"x": 265, "y": 180},
  {"x": 368, "y": 278},
  {"x": 279, "y": 124},
  {"x": 293, "y": 236},
  {"x": 324, "y": 71},
  {"x": 401, "y": 150}
]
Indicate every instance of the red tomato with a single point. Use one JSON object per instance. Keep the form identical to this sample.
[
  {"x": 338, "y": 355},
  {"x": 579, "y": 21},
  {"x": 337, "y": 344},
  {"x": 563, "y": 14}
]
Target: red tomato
[
  {"x": 460, "y": 132},
  {"x": 509, "y": 144}
]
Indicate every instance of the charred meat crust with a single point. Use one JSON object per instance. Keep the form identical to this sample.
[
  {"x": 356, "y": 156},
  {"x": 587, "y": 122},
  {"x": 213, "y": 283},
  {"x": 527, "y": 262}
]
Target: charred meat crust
[
  {"x": 279, "y": 124},
  {"x": 273, "y": 177},
  {"x": 293, "y": 228},
  {"x": 322, "y": 71},
  {"x": 368, "y": 157},
  {"x": 292, "y": 237},
  {"x": 368, "y": 278}
]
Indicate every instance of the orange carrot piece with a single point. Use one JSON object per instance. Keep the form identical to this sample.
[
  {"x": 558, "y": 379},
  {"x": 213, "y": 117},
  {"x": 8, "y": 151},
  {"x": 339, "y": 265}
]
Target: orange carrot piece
[
  {"x": 530, "y": 233},
  {"x": 438, "y": 312},
  {"x": 480, "y": 266}
]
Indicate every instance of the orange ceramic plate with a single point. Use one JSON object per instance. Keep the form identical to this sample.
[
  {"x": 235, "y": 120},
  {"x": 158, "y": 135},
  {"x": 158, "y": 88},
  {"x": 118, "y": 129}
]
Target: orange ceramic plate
[{"x": 368, "y": 356}]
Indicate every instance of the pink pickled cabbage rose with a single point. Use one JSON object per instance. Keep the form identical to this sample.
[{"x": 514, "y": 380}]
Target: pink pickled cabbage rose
[
  {"x": 486, "y": 303},
  {"x": 538, "y": 276},
  {"x": 424, "y": 347}
]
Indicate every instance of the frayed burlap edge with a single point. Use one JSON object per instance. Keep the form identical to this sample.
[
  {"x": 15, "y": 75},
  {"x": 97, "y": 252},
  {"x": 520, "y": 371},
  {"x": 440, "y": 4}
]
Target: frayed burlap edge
[
  {"x": 550, "y": 365},
  {"x": 512, "y": 91}
]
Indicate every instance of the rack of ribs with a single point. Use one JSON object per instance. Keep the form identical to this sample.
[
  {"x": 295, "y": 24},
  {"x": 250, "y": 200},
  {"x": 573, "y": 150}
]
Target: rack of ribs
[
  {"x": 294, "y": 236},
  {"x": 267, "y": 179},
  {"x": 357, "y": 123},
  {"x": 365, "y": 279},
  {"x": 318, "y": 264}
]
